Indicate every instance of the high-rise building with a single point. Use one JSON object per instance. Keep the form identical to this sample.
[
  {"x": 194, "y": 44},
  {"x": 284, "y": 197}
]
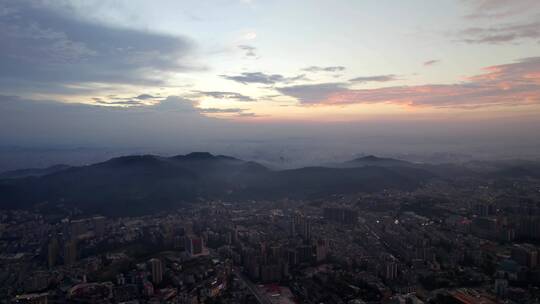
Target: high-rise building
[
  {"x": 120, "y": 279},
  {"x": 292, "y": 257},
  {"x": 38, "y": 281},
  {"x": 390, "y": 270},
  {"x": 148, "y": 289},
  {"x": 304, "y": 253},
  {"x": 194, "y": 245},
  {"x": 321, "y": 250},
  {"x": 306, "y": 229},
  {"x": 292, "y": 227},
  {"x": 99, "y": 225},
  {"x": 271, "y": 272},
  {"x": 341, "y": 215},
  {"x": 70, "y": 252},
  {"x": 525, "y": 254},
  {"x": 79, "y": 227},
  {"x": 300, "y": 225},
  {"x": 501, "y": 287},
  {"x": 157, "y": 271},
  {"x": 53, "y": 249}
]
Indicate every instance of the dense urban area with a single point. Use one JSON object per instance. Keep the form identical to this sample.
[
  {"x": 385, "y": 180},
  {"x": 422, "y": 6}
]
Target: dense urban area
[{"x": 461, "y": 242}]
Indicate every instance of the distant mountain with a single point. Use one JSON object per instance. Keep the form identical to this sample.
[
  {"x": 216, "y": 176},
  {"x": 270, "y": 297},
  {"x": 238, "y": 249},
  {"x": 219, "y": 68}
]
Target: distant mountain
[
  {"x": 315, "y": 182},
  {"x": 474, "y": 169},
  {"x": 372, "y": 160},
  {"x": 33, "y": 172},
  {"x": 148, "y": 183},
  {"x": 520, "y": 171}
]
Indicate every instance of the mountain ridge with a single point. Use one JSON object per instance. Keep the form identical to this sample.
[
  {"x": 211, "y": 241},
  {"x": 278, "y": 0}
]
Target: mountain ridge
[
  {"x": 139, "y": 184},
  {"x": 147, "y": 183}
]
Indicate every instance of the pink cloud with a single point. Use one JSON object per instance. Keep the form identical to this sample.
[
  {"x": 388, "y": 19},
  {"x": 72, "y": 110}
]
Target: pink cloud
[{"x": 509, "y": 84}]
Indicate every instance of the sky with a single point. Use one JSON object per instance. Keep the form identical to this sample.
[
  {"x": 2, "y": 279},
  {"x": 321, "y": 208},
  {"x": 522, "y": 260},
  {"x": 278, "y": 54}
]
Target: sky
[{"x": 383, "y": 76}]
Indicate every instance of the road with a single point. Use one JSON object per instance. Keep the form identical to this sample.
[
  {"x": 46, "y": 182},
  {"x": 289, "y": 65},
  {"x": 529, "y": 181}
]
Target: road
[{"x": 261, "y": 298}]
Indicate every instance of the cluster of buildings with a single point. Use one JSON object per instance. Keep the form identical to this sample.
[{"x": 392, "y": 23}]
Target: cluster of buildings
[{"x": 440, "y": 244}]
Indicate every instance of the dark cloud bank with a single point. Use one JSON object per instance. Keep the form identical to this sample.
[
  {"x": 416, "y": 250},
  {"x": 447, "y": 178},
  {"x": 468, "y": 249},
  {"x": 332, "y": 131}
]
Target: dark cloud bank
[{"x": 47, "y": 49}]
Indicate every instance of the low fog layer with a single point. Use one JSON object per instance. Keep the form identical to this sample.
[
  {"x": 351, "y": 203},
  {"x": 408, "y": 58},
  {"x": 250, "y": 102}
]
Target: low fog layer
[{"x": 43, "y": 133}]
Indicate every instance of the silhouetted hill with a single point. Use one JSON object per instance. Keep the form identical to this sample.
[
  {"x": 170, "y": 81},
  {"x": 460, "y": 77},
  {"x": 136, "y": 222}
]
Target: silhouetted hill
[
  {"x": 32, "y": 172},
  {"x": 472, "y": 169},
  {"x": 202, "y": 156},
  {"x": 147, "y": 183},
  {"x": 372, "y": 160},
  {"x": 520, "y": 171},
  {"x": 314, "y": 182}
]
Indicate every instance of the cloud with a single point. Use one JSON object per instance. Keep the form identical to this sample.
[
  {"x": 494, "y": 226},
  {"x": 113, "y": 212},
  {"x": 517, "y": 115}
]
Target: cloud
[
  {"x": 125, "y": 102},
  {"x": 219, "y": 110},
  {"x": 187, "y": 106},
  {"x": 316, "y": 69},
  {"x": 247, "y": 114},
  {"x": 145, "y": 97},
  {"x": 502, "y": 33},
  {"x": 173, "y": 104},
  {"x": 249, "y": 35},
  {"x": 312, "y": 93},
  {"x": 515, "y": 21},
  {"x": 46, "y": 47},
  {"x": 225, "y": 95},
  {"x": 516, "y": 83},
  {"x": 184, "y": 105},
  {"x": 377, "y": 78},
  {"x": 500, "y": 8},
  {"x": 171, "y": 121},
  {"x": 174, "y": 121},
  {"x": 250, "y": 51},
  {"x": 431, "y": 62},
  {"x": 262, "y": 78},
  {"x": 139, "y": 100}
]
